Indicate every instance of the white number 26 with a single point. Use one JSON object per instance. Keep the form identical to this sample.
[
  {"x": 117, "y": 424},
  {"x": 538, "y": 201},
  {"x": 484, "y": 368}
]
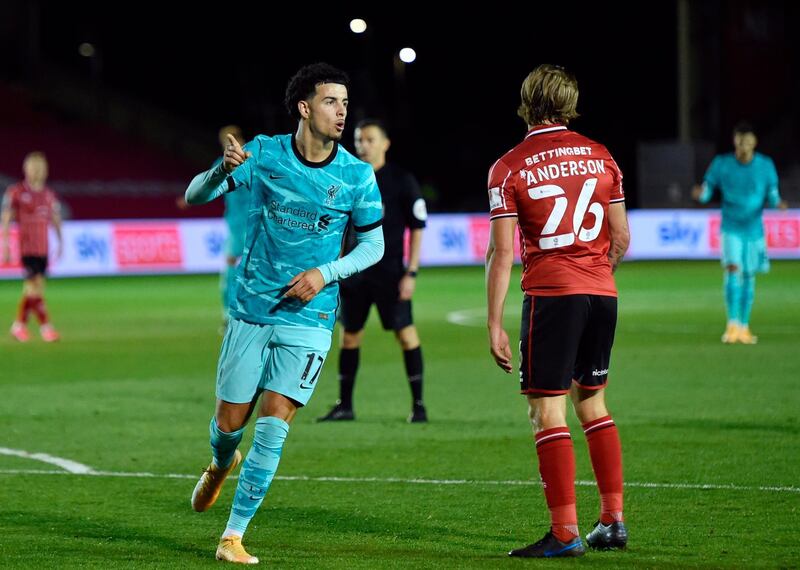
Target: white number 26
[{"x": 550, "y": 241}]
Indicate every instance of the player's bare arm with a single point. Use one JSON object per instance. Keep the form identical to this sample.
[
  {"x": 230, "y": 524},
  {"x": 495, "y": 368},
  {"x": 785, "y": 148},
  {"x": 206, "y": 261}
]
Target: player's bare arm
[
  {"x": 499, "y": 260},
  {"x": 55, "y": 219},
  {"x": 5, "y": 221},
  {"x": 620, "y": 234},
  {"x": 408, "y": 283}
]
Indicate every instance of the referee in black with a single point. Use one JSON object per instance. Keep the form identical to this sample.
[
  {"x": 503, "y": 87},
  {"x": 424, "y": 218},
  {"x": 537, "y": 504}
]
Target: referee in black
[{"x": 388, "y": 284}]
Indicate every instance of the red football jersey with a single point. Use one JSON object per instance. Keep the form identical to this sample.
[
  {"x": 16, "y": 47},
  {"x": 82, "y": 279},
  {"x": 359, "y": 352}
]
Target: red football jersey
[
  {"x": 33, "y": 212},
  {"x": 559, "y": 185}
]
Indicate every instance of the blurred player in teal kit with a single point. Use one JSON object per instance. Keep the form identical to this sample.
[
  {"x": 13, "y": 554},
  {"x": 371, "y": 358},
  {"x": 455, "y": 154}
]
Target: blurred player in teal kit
[
  {"x": 236, "y": 206},
  {"x": 747, "y": 181},
  {"x": 303, "y": 188}
]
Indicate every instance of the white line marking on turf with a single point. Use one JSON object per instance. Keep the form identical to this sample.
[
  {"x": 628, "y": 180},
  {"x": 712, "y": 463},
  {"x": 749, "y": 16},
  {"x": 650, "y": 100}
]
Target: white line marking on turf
[
  {"x": 477, "y": 318},
  {"x": 145, "y": 475},
  {"x": 66, "y": 464}
]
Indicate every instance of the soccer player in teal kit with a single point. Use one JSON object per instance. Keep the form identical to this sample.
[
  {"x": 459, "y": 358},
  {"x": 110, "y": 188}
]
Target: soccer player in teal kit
[
  {"x": 747, "y": 181},
  {"x": 304, "y": 188}
]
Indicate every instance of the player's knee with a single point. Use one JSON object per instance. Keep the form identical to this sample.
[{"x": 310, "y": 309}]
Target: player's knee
[
  {"x": 535, "y": 418},
  {"x": 32, "y": 289},
  {"x": 588, "y": 411},
  {"x": 589, "y": 404},
  {"x": 228, "y": 424},
  {"x": 278, "y": 406},
  {"x": 732, "y": 268},
  {"x": 408, "y": 337},
  {"x": 351, "y": 340},
  {"x": 546, "y": 414}
]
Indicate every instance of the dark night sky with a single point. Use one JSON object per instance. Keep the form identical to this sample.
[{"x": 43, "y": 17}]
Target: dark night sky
[{"x": 454, "y": 114}]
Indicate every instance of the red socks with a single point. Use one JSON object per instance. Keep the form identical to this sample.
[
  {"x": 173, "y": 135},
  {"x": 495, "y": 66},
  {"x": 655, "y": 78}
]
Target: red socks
[
  {"x": 24, "y": 309},
  {"x": 41, "y": 311},
  {"x": 35, "y": 304},
  {"x": 606, "y": 453},
  {"x": 557, "y": 469}
]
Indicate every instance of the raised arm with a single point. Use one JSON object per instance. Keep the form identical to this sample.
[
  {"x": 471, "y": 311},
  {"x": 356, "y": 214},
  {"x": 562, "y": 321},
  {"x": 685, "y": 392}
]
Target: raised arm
[
  {"x": 207, "y": 186},
  {"x": 213, "y": 183}
]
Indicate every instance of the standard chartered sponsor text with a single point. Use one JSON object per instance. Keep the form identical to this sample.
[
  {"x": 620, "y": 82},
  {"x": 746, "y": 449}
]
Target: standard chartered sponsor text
[{"x": 287, "y": 216}]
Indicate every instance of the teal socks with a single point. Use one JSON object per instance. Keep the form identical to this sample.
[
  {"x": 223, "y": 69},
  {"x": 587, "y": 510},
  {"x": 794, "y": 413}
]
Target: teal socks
[
  {"x": 223, "y": 444},
  {"x": 258, "y": 470},
  {"x": 733, "y": 295}
]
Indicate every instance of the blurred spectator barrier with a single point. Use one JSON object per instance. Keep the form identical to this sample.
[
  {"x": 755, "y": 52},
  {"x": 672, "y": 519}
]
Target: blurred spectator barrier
[{"x": 196, "y": 245}]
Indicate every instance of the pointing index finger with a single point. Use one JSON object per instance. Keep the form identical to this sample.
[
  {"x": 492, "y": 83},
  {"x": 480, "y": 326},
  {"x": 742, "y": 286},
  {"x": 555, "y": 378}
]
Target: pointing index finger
[{"x": 233, "y": 142}]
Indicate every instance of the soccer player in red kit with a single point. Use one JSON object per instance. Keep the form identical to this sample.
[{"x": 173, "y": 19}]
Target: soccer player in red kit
[
  {"x": 35, "y": 207},
  {"x": 565, "y": 192}
]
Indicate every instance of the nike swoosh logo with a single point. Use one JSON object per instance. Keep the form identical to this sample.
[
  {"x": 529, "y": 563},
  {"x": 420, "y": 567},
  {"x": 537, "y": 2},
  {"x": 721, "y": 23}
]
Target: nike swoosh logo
[
  {"x": 305, "y": 387},
  {"x": 549, "y": 553},
  {"x": 273, "y": 177}
]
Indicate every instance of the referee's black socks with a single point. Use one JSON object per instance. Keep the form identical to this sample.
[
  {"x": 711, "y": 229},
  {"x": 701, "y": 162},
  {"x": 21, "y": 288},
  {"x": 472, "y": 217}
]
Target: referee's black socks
[
  {"x": 413, "y": 361},
  {"x": 348, "y": 367}
]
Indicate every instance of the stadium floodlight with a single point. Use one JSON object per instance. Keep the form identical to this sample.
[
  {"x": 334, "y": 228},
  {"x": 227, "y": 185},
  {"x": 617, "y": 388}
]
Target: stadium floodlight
[
  {"x": 407, "y": 55},
  {"x": 358, "y": 26},
  {"x": 86, "y": 49}
]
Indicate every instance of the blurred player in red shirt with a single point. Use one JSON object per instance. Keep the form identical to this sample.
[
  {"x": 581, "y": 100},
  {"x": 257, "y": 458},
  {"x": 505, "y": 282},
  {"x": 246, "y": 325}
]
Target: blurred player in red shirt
[
  {"x": 565, "y": 192},
  {"x": 34, "y": 206}
]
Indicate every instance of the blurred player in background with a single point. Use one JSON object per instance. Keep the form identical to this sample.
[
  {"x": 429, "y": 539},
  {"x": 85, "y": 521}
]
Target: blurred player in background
[
  {"x": 388, "y": 284},
  {"x": 304, "y": 189},
  {"x": 747, "y": 181},
  {"x": 34, "y": 206},
  {"x": 565, "y": 191}
]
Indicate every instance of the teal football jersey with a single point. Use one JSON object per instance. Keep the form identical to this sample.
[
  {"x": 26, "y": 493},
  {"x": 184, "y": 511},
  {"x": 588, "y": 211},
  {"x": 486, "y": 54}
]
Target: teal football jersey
[
  {"x": 297, "y": 218},
  {"x": 746, "y": 189}
]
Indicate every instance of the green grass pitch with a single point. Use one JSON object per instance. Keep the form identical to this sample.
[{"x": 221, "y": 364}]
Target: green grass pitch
[{"x": 710, "y": 434}]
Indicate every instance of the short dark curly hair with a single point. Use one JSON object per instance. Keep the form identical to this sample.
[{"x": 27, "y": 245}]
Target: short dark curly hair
[
  {"x": 743, "y": 128},
  {"x": 304, "y": 84}
]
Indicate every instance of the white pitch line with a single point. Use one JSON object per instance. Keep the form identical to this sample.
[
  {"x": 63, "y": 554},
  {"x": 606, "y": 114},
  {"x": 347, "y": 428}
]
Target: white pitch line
[
  {"x": 476, "y": 317},
  {"x": 397, "y": 480},
  {"x": 67, "y": 464}
]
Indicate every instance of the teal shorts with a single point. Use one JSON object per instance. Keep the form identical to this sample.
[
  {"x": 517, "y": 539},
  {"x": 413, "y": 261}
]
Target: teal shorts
[
  {"x": 280, "y": 358},
  {"x": 746, "y": 253}
]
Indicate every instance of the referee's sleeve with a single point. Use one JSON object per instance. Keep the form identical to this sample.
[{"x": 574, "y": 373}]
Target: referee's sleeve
[{"x": 416, "y": 213}]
